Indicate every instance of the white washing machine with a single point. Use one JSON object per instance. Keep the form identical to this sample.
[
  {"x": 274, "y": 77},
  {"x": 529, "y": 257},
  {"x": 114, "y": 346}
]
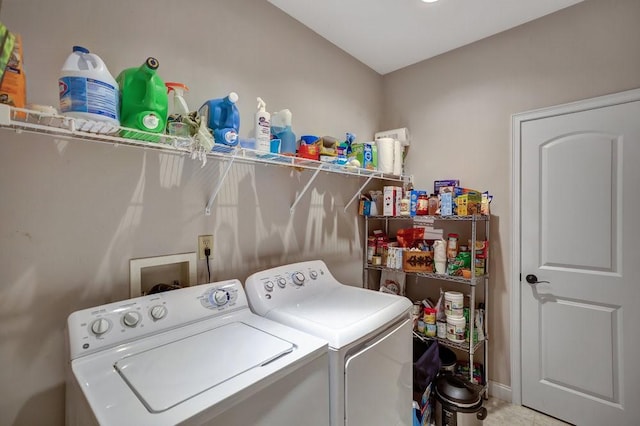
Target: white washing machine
[
  {"x": 369, "y": 335},
  {"x": 196, "y": 355}
]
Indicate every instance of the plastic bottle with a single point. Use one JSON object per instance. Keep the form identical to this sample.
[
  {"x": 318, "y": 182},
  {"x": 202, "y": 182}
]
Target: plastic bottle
[
  {"x": 144, "y": 99},
  {"x": 179, "y": 104},
  {"x": 223, "y": 119},
  {"x": 440, "y": 256},
  {"x": 281, "y": 129},
  {"x": 178, "y": 121},
  {"x": 87, "y": 88},
  {"x": 452, "y": 246},
  {"x": 263, "y": 128}
]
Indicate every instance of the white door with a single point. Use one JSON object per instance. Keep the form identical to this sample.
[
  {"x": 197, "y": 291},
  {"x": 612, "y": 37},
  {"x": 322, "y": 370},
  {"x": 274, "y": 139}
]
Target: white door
[{"x": 580, "y": 236}]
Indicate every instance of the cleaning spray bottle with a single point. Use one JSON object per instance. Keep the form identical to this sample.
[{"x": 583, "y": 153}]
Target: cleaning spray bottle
[
  {"x": 178, "y": 122},
  {"x": 281, "y": 129},
  {"x": 263, "y": 128}
]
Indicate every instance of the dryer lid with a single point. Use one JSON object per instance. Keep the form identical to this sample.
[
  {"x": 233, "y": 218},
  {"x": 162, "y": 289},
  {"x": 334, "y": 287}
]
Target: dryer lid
[{"x": 167, "y": 375}]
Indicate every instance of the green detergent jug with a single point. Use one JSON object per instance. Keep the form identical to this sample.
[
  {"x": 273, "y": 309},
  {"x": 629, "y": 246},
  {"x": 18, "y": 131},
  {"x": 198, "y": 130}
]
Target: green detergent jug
[{"x": 144, "y": 103}]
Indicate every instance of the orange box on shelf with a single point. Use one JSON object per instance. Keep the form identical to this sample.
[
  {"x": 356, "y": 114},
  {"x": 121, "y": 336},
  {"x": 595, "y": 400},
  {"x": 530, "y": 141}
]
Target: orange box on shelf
[{"x": 417, "y": 261}]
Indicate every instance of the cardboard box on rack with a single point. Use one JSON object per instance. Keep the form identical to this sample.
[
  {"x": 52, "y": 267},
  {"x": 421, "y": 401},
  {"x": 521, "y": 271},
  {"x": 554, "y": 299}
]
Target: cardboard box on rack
[
  {"x": 391, "y": 197},
  {"x": 467, "y": 201},
  {"x": 438, "y": 185},
  {"x": 367, "y": 154},
  {"x": 446, "y": 204},
  {"x": 417, "y": 261}
]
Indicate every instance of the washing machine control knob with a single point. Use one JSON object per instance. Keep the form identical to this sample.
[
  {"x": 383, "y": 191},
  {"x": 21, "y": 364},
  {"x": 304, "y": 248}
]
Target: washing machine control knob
[
  {"x": 313, "y": 275},
  {"x": 282, "y": 283},
  {"x": 268, "y": 286},
  {"x": 100, "y": 326},
  {"x": 220, "y": 297},
  {"x": 298, "y": 278},
  {"x": 158, "y": 312},
  {"x": 131, "y": 319}
]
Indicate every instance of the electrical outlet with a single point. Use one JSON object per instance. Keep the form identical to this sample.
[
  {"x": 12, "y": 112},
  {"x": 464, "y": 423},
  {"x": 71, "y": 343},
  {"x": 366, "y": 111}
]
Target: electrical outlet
[{"x": 205, "y": 241}]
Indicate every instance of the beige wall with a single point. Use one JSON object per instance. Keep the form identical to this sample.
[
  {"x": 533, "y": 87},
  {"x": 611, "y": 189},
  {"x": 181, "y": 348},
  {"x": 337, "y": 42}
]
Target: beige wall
[
  {"x": 458, "y": 108},
  {"x": 73, "y": 213}
]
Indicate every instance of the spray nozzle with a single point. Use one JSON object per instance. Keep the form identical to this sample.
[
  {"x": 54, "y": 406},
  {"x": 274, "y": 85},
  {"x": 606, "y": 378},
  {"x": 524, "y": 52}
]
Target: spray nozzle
[
  {"x": 177, "y": 88},
  {"x": 261, "y": 105}
]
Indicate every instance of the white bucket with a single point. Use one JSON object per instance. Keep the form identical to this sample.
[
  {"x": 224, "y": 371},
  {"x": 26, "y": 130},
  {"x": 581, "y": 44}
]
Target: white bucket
[
  {"x": 453, "y": 304},
  {"x": 455, "y": 328},
  {"x": 87, "y": 89}
]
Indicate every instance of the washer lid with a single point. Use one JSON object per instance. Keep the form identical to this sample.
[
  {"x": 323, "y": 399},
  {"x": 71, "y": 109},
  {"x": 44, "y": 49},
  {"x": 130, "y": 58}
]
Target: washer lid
[
  {"x": 342, "y": 314},
  {"x": 167, "y": 375}
]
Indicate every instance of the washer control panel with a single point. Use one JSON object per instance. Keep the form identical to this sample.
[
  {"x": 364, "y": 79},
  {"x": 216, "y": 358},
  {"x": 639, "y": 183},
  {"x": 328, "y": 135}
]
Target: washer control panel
[
  {"x": 287, "y": 284},
  {"x": 115, "y": 323}
]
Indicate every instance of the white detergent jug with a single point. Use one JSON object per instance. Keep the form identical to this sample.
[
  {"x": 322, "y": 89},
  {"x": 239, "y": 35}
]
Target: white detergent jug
[{"x": 87, "y": 89}]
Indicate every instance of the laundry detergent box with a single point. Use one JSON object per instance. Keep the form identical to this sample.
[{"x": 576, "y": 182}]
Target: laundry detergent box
[
  {"x": 391, "y": 197},
  {"x": 367, "y": 155},
  {"x": 466, "y": 201}
]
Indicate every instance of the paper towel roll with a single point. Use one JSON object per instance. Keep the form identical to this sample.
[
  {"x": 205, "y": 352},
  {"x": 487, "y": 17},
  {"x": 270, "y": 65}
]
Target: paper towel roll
[
  {"x": 397, "y": 157},
  {"x": 385, "y": 154}
]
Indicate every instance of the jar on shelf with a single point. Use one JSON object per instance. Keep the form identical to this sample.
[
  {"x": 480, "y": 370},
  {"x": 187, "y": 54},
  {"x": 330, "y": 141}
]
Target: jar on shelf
[
  {"x": 452, "y": 246},
  {"x": 422, "y": 205},
  {"x": 433, "y": 204}
]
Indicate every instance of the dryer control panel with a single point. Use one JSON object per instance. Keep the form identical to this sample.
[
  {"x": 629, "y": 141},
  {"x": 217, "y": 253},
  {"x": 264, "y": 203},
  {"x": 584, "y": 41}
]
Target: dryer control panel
[
  {"x": 288, "y": 284},
  {"x": 116, "y": 323}
]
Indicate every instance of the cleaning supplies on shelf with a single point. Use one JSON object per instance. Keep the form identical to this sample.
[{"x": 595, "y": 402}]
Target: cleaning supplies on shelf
[
  {"x": 281, "y": 129},
  {"x": 87, "y": 89},
  {"x": 178, "y": 90},
  {"x": 13, "y": 90},
  {"x": 144, "y": 100},
  {"x": 263, "y": 128},
  {"x": 179, "y": 122},
  {"x": 223, "y": 119}
]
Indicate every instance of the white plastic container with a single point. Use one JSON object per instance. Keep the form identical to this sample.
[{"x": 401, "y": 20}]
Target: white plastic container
[
  {"x": 263, "y": 128},
  {"x": 453, "y": 304},
  {"x": 87, "y": 89},
  {"x": 455, "y": 328},
  {"x": 440, "y": 256}
]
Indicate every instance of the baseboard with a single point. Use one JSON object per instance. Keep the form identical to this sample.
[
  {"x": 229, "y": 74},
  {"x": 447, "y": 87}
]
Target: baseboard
[{"x": 499, "y": 391}]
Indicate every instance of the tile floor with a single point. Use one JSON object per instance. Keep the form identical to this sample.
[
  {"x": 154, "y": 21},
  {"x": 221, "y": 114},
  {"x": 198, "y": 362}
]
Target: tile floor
[{"x": 504, "y": 413}]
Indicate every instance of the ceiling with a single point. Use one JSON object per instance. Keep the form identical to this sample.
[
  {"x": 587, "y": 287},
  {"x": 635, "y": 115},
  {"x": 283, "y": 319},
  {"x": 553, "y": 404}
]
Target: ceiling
[{"x": 388, "y": 35}]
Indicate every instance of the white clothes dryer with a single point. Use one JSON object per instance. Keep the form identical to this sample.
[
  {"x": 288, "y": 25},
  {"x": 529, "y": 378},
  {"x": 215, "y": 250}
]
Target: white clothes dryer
[
  {"x": 369, "y": 335},
  {"x": 195, "y": 355}
]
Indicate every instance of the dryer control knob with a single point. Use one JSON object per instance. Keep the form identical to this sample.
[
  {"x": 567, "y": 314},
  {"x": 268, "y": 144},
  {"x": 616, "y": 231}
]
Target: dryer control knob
[
  {"x": 220, "y": 297},
  {"x": 131, "y": 319},
  {"x": 100, "y": 326},
  {"x": 282, "y": 283},
  {"x": 313, "y": 275},
  {"x": 158, "y": 312},
  {"x": 298, "y": 278},
  {"x": 268, "y": 286}
]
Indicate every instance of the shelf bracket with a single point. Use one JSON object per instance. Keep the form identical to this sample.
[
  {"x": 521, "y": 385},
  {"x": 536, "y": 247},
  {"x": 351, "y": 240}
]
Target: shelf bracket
[
  {"x": 304, "y": 190},
  {"x": 357, "y": 194},
  {"x": 214, "y": 193}
]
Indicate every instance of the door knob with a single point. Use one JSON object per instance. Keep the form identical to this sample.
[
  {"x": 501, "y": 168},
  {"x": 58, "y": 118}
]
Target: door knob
[{"x": 532, "y": 279}]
